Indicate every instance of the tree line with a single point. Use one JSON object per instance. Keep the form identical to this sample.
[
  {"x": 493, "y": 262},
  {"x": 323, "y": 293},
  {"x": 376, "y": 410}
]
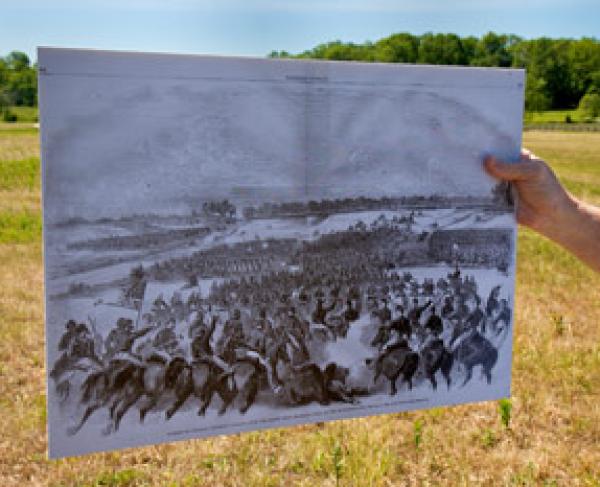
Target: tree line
[{"x": 561, "y": 73}]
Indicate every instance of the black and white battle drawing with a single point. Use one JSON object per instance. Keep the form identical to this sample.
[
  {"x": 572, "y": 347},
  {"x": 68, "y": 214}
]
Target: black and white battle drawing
[{"x": 233, "y": 244}]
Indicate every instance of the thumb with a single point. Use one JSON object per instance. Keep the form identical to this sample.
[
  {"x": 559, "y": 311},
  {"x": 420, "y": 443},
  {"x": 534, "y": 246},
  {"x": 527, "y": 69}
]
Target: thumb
[{"x": 523, "y": 170}]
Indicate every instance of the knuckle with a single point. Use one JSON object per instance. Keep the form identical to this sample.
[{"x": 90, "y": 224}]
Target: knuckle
[{"x": 535, "y": 168}]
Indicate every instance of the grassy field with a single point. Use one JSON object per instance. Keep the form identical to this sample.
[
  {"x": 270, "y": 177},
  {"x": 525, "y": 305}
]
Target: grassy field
[
  {"x": 549, "y": 434},
  {"x": 550, "y": 116},
  {"x": 25, "y": 114}
]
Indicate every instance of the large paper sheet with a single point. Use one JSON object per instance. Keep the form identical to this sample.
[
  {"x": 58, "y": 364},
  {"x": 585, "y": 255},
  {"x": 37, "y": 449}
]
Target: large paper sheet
[{"x": 234, "y": 244}]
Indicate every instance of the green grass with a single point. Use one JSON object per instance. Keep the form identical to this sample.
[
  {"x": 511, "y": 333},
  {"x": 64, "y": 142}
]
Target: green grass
[
  {"x": 18, "y": 128},
  {"x": 575, "y": 158},
  {"x": 553, "y": 116},
  {"x": 25, "y": 114},
  {"x": 19, "y": 181},
  {"x": 20, "y": 227},
  {"x": 24, "y": 174}
]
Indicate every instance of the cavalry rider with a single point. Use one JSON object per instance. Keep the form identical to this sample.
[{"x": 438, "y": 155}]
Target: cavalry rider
[
  {"x": 201, "y": 336},
  {"x": 414, "y": 315},
  {"x": 461, "y": 310},
  {"x": 414, "y": 287},
  {"x": 259, "y": 334},
  {"x": 201, "y": 348},
  {"x": 194, "y": 302},
  {"x": 350, "y": 313},
  {"x": 75, "y": 343},
  {"x": 396, "y": 344},
  {"x": 434, "y": 324},
  {"x": 470, "y": 287},
  {"x": 385, "y": 313},
  {"x": 442, "y": 285},
  {"x": 68, "y": 336},
  {"x": 119, "y": 341},
  {"x": 448, "y": 307},
  {"x": 232, "y": 337},
  {"x": 319, "y": 315},
  {"x": 197, "y": 324},
  {"x": 492, "y": 301},
  {"x": 297, "y": 330},
  {"x": 477, "y": 317},
  {"x": 177, "y": 306},
  {"x": 428, "y": 287},
  {"x": 82, "y": 344},
  {"x": 401, "y": 324},
  {"x": 503, "y": 315},
  {"x": 160, "y": 309},
  {"x": 165, "y": 344}
]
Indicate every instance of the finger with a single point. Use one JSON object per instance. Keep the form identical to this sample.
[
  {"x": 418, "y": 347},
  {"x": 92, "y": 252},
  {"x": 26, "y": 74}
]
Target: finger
[{"x": 525, "y": 170}]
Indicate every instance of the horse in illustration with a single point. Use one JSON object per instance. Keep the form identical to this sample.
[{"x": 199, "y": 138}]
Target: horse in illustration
[
  {"x": 202, "y": 378},
  {"x": 303, "y": 384},
  {"x": 398, "y": 360},
  {"x": 435, "y": 357},
  {"x": 336, "y": 378},
  {"x": 475, "y": 349},
  {"x": 102, "y": 388}
]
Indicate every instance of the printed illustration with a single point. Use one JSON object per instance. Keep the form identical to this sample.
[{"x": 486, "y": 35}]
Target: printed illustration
[{"x": 234, "y": 244}]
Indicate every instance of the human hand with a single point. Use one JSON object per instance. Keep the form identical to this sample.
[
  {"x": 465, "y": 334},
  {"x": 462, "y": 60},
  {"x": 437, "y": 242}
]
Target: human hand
[
  {"x": 542, "y": 202},
  {"x": 546, "y": 207}
]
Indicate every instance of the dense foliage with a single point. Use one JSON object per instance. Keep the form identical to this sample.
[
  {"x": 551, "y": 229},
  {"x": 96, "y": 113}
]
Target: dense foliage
[
  {"x": 18, "y": 81},
  {"x": 560, "y": 72}
]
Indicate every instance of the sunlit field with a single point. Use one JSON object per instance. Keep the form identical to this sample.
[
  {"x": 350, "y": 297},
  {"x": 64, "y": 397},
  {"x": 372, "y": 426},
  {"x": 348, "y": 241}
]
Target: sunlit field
[{"x": 549, "y": 434}]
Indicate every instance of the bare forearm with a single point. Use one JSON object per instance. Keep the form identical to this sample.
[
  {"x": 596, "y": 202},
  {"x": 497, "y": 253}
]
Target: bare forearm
[{"x": 576, "y": 227}]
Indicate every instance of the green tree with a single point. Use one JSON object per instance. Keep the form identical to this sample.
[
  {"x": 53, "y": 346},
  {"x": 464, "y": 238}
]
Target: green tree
[
  {"x": 17, "y": 61},
  {"x": 559, "y": 71},
  {"x": 340, "y": 51},
  {"x": 584, "y": 65},
  {"x": 493, "y": 50},
  {"x": 3, "y": 80},
  {"x": 279, "y": 54},
  {"x": 548, "y": 73},
  {"x": 536, "y": 99},
  {"x": 590, "y": 105},
  {"x": 469, "y": 45},
  {"x": 397, "y": 48},
  {"x": 18, "y": 80},
  {"x": 22, "y": 87},
  {"x": 441, "y": 49}
]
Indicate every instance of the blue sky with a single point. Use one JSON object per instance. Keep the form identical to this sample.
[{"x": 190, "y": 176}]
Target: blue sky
[{"x": 255, "y": 27}]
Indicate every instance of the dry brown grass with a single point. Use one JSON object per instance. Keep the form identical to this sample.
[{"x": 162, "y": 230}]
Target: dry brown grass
[
  {"x": 553, "y": 439},
  {"x": 18, "y": 200},
  {"x": 17, "y": 146}
]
